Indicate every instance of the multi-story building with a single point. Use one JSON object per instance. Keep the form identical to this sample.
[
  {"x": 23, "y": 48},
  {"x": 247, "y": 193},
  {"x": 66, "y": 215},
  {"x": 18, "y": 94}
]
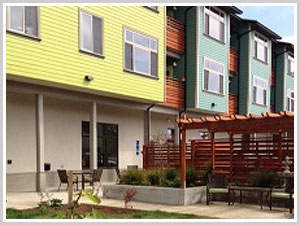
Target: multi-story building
[
  {"x": 79, "y": 80},
  {"x": 252, "y": 84},
  {"x": 283, "y": 77},
  {"x": 87, "y": 87}
]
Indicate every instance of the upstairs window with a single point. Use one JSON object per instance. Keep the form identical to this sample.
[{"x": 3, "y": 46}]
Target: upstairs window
[
  {"x": 23, "y": 20},
  {"x": 214, "y": 23},
  {"x": 140, "y": 53},
  {"x": 260, "y": 48},
  {"x": 213, "y": 76},
  {"x": 91, "y": 33},
  {"x": 290, "y": 101},
  {"x": 291, "y": 65},
  {"x": 259, "y": 91}
]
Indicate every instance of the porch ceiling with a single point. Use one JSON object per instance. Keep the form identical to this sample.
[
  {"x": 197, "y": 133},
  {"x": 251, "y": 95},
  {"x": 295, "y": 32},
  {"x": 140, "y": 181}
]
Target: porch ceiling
[{"x": 236, "y": 124}]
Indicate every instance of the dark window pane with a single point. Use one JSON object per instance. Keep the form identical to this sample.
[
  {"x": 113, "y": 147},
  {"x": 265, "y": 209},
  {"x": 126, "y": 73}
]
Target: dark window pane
[
  {"x": 206, "y": 75},
  {"x": 153, "y": 64},
  {"x": 128, "y": 56},
  {"x": 221, "y": 84},
  {"x": 97, "y": 36},
  {"x": 31, "y": 20},
  {"x": 206, "y": 28}
]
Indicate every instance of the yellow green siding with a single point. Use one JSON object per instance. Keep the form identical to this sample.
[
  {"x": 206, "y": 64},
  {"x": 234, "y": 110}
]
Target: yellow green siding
[{"x": 55, "y": 60}]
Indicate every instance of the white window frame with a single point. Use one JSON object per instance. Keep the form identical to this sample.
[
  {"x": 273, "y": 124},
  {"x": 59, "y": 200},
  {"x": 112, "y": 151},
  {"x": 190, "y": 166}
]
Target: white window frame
[
  {"x": 263, "y": 88},
  {"x": 23, "y": 32},
  {"x": 136, "y": 46},
  {"x": 216, "y": 73},
  {"x": 91, "y": 51},
  {"x": 291, "y": 65},
  {"x": 261, "y": 42},
  {"x": 220, "y": 18},
  {"x": 290, "y": 105}
]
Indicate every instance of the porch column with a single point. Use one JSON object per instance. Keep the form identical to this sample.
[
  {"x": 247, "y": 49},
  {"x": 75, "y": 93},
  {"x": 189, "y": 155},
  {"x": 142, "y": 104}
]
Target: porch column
[
  {"x": 182, "y": 157},
  {"x": 93, "y": 137},
  {"x": 280, "y": 159},
  {"x": 231, "y": 155},
  {"x": 40, "y": 143}
]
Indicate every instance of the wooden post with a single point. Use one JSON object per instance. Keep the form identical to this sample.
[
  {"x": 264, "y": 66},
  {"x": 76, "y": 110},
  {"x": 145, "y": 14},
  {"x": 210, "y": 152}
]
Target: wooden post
[
  {"x": 280, "y": 151},
  {"x": 193, "y": 153},
  {"x": 70, "y": 192},
  {"x": 213, "y": 151},
  {"x": 231, "y": 155},
  {"x": 183, "y": 158}
]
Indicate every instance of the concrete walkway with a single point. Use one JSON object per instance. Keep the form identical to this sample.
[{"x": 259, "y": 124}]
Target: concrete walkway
[{"x": 22, "y": 200}]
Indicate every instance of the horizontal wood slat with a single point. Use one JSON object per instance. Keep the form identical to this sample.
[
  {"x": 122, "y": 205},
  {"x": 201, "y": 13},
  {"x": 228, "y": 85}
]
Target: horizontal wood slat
[
  {"x": 175, "y": 35},
  {"x": 246, "y": 156},
  {"x": 233, "y": 61},
  {"x": 174, "y": 93},
  {"x": 232, "y": 104}
]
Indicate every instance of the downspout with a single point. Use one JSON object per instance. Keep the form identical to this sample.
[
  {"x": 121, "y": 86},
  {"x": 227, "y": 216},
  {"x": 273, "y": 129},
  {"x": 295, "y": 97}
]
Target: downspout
[
  {"x": 185, "y": 60},
  {"x": 147, "y": 128}
]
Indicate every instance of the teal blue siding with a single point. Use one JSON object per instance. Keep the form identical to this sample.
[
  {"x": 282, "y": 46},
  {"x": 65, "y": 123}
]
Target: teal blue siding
[
  {"x": 191, "y": 55},
  {"x": 263, "y": 71},
  {"x": 244, "y": 74},
  {"x": 218, "y": 52}
]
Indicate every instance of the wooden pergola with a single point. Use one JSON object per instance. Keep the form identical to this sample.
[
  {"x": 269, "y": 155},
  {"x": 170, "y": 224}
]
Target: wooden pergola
[{"x": 234, "y": 124}]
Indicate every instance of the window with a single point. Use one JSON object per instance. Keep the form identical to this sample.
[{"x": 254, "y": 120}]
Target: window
[
  {"x": 171, "y": 135},
  {"x": 291, "y": 65},
  {"x": 107, "y": 145},
  {"x": 214, "y": 23},
  {"x": 260, "y": 48},
  {"x": 140, "y": 53},
  {"x": 23, "y": 20},
  {"x": 91, "y": 34},
  {"x": 213, "y": 76},
  {"x": 259, "y": 91},
  {"x": 290, "y": 101}
]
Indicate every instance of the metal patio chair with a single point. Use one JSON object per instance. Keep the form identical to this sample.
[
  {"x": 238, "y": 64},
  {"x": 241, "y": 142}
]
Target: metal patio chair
[
  {"x": 63, "y": 179},
  {"x": 217, "y": 185}
]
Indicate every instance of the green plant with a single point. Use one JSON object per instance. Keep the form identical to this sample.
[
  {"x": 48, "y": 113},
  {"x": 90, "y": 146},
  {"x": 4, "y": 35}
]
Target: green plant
[
  {"x": 89, "y": 194},
  {"x": 153, "y": 177},
  {"x": 56, "y": 203},
  {"x": 191, "y": 177},
  {"x": 171, "y": 178},
  {"x": 262, "y": 178},
  {"x": 44, "y": 203},
  {"x": 132, "y": 177},
  {"x": 204, "y": 177}
]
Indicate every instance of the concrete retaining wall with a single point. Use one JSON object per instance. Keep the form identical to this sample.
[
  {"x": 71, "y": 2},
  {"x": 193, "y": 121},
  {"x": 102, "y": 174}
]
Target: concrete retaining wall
[{"x": 159, "y": 195}]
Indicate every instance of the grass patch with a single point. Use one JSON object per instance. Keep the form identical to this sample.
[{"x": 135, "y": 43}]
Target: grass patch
[{"x": 23, "y": 214}]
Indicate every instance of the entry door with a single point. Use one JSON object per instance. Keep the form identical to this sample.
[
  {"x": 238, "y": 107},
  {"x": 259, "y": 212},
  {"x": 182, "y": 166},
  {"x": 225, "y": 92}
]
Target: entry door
[{"x": 107, "y": 145}]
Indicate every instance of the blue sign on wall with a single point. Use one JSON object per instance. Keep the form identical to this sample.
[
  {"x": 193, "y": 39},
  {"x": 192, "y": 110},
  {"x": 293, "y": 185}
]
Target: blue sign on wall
[{"x": 137, "y": 147}]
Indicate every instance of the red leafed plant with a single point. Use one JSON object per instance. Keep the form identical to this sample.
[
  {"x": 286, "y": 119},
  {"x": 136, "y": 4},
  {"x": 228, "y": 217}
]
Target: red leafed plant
[{"x": 129, "y": 194}]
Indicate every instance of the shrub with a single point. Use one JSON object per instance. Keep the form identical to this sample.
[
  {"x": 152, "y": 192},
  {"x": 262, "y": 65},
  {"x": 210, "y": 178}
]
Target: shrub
[
  {"x": 204, "y": 177},
  {"x": 262, "y": 178},
  {"x": 132, "y": 177},
  {"x": 171, "y": 178},
  {"x": 153, "y": 177},
  {"x": 191, "y": 177}
]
